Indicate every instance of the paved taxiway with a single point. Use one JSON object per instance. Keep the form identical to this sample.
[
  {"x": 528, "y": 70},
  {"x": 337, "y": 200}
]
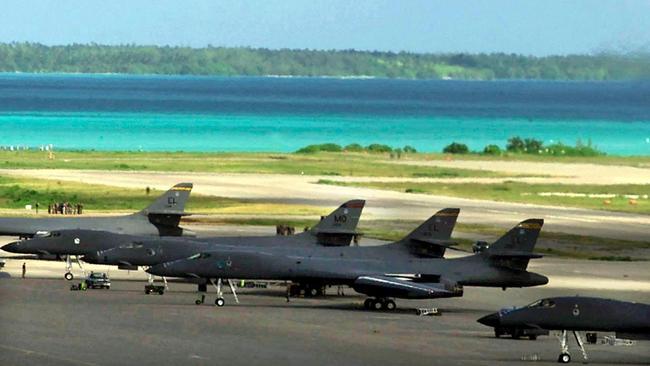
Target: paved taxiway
[{"x": 43, "y": 322}]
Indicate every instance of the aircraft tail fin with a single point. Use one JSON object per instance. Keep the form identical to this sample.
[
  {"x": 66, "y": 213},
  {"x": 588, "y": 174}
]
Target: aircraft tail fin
[
  {"x": 171, "y": 202},
  {"x": 431, "y": 238},
  {"x": 515, "y": 248},
  {"x": 339, "y": 227}
]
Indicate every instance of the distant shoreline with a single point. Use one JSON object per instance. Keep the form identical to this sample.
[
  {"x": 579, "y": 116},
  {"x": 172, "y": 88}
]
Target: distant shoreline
[
  {"x": 230, "y": 61},
  {"x": 326, "y": 77}
]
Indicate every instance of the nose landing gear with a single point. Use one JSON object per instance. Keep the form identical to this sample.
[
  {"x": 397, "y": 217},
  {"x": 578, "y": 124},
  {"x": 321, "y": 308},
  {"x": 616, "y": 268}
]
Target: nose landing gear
[
  {"x": 565, "y": 357},
  {"x": 220, "y": 301}
]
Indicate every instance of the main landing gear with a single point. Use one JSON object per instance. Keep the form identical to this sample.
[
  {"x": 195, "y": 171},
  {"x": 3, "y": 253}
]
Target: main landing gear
[
  {"x": 565, "y": 357},
  {"x": 380, "y": 303},
  {"x": 220, "y": 301}
]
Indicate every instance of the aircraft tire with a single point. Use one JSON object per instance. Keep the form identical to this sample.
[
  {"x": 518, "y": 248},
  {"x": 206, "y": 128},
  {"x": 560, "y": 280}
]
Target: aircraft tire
[
  {"x": 68, "y": 276},
  {"x": 564, "y": 358},
  {"x": 367, "y": 303},
  {"x": 161, "y": 292},
  {"x": 377, "y": 304},
  {"x": 389, "y": 305},
  {"x": 532, "y": 337},
  {"x": 220, "y": 302},
  {"x": 313, "y": 292}
]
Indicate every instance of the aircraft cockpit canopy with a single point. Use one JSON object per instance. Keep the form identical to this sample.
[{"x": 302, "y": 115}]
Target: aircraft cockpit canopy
[
  {"x": 544, "y": 303},
  {"x": 200, "y": 256}
]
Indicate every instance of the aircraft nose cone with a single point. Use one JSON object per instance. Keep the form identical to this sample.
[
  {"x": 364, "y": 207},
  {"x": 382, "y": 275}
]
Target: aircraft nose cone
[
  {"x": 12, "y": 247},
  {"x": 491, "y": 320}
]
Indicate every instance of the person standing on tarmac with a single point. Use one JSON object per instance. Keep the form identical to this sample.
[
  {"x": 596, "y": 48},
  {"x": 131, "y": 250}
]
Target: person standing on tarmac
[
  {"x": 288, "y": 290},
  {"x": 24, "y": 270}
]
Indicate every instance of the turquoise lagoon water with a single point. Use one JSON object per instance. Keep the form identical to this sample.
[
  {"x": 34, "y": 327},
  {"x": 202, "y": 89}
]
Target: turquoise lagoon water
[{"x": 154, "y": 113}]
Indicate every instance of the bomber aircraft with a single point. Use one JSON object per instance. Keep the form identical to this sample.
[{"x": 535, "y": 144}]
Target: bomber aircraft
[
  {"x": 403, "y": 269},
  {"x": 161, "y": 218},
  {"x": 131, "y": 251},
  {"x": 628, "y": 320}
]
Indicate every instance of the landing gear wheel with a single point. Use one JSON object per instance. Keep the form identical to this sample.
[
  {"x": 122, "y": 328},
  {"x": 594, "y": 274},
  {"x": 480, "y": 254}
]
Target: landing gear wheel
[
  {"x": 313, "y": 292},
  {"x": 498, "y": 332},
  {"x": 367, "y": 304},
  {"x": 564, "y": 358},
  {"x": 390, "y": 305},
  {"x": 200, "y": 300},
  {"x": 161, "y": 291},
  {"x": 220, "y": 302},
  {"x": 377, "y": 304},
  {"x": 68, "y": 276},
  {"x": 532, "y": 337}
]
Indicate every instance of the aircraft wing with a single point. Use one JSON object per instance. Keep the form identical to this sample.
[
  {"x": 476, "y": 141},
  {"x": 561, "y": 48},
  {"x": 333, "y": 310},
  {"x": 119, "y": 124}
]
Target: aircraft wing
[{"x": 386, "y": 286}]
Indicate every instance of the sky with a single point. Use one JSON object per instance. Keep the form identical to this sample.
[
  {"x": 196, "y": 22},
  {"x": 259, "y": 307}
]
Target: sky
[{"x": 530, "y": 27}]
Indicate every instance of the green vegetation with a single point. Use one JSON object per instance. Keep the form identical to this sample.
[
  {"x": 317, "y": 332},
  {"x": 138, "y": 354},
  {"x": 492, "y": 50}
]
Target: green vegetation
[
  {"x": 356, "y": 148},
  {"x": 624, "y": 197},
  {"x": 131, "y": 59},
  {"x": 532, "y": 146},
  {"x": 310, "y": 149},
  {"x": 492, "y": 150},
  {"x": 529, "y": 146},
  {"x": 15, "y": 193},
  {"x": 456, "y": 148},
  {"x": 322, "y": 163}
]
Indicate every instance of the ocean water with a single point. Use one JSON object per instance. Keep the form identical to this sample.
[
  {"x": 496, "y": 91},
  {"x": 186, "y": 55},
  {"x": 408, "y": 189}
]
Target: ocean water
[{"x": 158, "y": 113}]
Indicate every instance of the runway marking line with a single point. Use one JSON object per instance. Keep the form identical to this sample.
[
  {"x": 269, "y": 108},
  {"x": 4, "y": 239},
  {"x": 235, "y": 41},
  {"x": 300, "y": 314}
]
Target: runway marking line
[{"x": 43, "y": 354}]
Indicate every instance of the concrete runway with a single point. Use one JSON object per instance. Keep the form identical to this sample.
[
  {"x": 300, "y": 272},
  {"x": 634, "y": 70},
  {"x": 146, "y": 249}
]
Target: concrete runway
[
  {"x": 45, "y": 323},
  {"x": 381, "y": 204}
]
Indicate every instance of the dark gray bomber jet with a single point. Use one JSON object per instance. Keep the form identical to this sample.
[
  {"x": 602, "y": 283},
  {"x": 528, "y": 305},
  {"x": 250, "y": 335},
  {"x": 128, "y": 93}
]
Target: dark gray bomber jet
[
  {"x": 161, "y": 218},
  {"x": 402, "y": 269},
  {"x": 131, "y": 251},
  {"x": 629, "y": 320}
]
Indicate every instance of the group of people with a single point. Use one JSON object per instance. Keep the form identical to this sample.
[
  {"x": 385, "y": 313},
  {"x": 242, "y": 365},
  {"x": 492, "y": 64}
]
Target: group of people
[{"x": 65, "y": 208}]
